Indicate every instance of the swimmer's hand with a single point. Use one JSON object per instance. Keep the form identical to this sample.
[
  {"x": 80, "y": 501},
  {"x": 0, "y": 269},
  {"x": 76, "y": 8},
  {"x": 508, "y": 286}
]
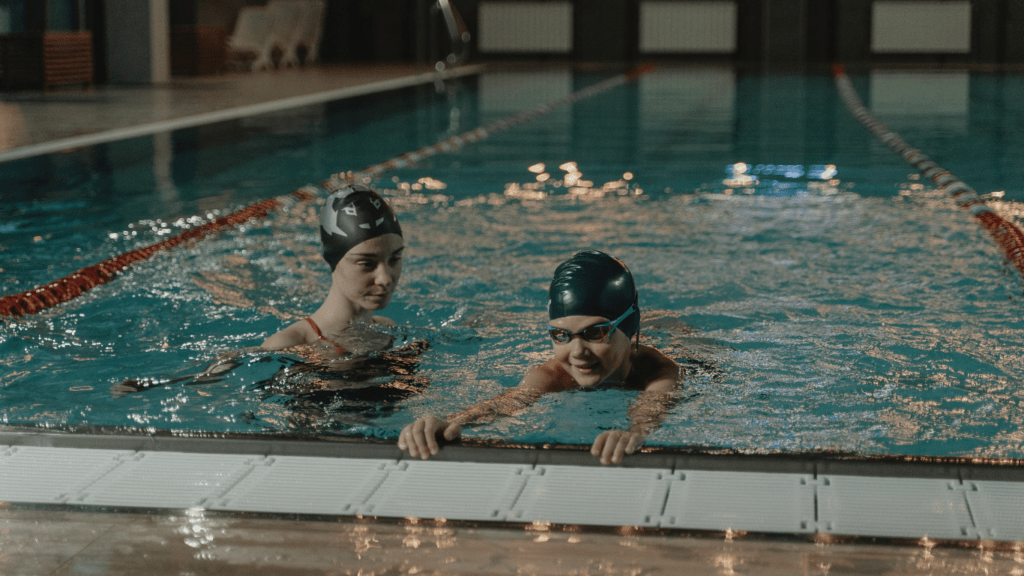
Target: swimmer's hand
[
  {"x": 420, "y": 437},
  {"x": 612, "y": 445}
]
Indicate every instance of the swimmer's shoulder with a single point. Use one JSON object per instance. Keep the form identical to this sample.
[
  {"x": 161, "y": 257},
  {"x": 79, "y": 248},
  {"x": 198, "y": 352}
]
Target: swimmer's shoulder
[
  {"x": 548, "y": 377},
  {"x": 655, "y": 371},
  {"x": 296, "y": 334},
  {"x": 384, "y": 321}
]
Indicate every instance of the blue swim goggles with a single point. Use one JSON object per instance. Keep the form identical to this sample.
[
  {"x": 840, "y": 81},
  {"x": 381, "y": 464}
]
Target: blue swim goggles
[{"x": 598, "y": 333}]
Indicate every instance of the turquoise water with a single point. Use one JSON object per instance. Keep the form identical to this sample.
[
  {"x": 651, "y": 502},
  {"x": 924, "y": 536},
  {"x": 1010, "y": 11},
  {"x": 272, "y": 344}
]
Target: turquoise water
[{"x": 819, "y": 295}]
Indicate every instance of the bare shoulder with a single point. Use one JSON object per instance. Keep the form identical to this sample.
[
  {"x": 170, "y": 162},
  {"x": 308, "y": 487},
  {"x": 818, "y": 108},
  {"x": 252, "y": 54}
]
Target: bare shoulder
[
  {"x": 298, "y": 333},
  {"x": 547, "y": 377},
  {"x": 384, "y": 321},
  {"x": 656, "y": 371}
]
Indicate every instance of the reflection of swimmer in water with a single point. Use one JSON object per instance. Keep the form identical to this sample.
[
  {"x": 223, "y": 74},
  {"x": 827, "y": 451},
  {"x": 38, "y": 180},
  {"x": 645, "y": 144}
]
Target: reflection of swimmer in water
[
  {"x": 321, "y": 394},
  {"x": 363, "y": 244},
  {"x": 595, "y": 311}
]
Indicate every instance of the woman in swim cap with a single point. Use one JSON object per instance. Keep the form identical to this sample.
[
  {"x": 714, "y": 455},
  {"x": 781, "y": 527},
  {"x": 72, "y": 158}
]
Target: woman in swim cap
[
  {"x": 363, "y": 245},
  {"x": 594, "y": 313}
]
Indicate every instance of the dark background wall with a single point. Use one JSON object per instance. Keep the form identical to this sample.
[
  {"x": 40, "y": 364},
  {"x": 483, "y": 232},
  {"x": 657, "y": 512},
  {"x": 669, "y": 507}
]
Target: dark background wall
[{"x": 770, "y": 33}]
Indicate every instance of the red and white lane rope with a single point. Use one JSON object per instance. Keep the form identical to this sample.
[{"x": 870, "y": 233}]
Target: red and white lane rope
[
  {"x": 77, "y": 283},
  {"x": 1007, "y": 236}
]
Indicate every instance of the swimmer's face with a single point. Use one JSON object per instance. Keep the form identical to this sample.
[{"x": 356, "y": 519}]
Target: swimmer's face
[
  {"x": 591, "y": 363},
  {"x": 369, "y": 272}
]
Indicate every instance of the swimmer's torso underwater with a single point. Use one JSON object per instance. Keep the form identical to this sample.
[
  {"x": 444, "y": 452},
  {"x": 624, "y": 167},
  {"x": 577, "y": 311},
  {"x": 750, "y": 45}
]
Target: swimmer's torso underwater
[
  {"x": 334, "y": 380},
  {"x": 341, "y": 359}
]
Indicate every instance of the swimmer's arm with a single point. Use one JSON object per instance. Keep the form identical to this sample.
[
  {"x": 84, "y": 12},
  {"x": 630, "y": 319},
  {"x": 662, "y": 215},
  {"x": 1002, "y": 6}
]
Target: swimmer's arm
[
  {"x": 420, "y": 437},
  {"x": 297, "y": 334},
  {"x": 646, "y": 412},
  {"x": 540, "y": 380},
  {"x": 650, "y": 406},
  {"x": 294, "y": 335},
  {"x": 224, "y": 363}
]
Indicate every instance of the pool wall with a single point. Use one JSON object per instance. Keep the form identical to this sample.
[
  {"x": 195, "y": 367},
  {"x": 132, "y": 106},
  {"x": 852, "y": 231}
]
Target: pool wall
[
  {"x": 807, "y": 496},
  {"x": 748, "y": 32}
]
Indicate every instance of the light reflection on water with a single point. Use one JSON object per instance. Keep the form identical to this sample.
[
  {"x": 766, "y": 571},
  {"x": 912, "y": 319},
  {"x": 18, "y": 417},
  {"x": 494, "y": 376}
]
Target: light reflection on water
[
  {"x": 819, "y": 321},
  {"x": 816, "y": 306}
]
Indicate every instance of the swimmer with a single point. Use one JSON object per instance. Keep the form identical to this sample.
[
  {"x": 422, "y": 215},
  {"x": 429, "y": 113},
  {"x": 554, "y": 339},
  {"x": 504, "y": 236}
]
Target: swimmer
[
  {"x": 594, "y": 313},
  {"x": 362, "y": 243}
]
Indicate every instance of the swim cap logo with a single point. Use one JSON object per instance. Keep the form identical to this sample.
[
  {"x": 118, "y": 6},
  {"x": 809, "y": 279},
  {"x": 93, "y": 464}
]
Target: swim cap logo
[
  {"x": 351, "y": 210},
  {"x": 329, "y": 222}
]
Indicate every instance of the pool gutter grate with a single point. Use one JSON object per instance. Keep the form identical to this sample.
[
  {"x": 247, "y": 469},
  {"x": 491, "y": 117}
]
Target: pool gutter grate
[{"x": 533, "y": 494}]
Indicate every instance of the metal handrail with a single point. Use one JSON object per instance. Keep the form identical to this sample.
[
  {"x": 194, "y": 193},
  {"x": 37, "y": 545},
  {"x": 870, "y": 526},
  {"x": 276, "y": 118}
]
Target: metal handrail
[{"x": 457, "y": 31}]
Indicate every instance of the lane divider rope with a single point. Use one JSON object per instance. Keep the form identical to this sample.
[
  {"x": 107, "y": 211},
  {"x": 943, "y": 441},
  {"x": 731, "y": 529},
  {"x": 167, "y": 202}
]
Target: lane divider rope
[
  {"x": 1006, "y": 235},
  {"x": 77, "y": 283},
  {"x": 366, "y": 175}
]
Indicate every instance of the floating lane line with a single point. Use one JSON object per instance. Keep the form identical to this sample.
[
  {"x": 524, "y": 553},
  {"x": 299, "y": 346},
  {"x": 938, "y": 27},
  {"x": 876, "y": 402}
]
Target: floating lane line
[
  {"x": 366, "y": 175},
  {"x": 1006, "y": 235},
  {"x": 75, "y": 284}
]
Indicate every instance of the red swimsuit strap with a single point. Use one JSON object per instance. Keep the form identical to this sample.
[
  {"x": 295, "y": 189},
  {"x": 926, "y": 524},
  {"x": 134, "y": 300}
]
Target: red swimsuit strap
[
  {"x": 315, "y": 328},
  {"x": 320, "y": 335}
]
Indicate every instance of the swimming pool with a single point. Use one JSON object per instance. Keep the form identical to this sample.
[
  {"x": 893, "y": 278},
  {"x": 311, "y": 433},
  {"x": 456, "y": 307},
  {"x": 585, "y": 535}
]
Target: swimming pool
[{"x": 820, "y": 295}]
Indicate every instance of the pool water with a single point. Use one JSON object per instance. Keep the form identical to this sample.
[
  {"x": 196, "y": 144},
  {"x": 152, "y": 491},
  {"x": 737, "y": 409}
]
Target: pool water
[{"x": 817, "y": 292}]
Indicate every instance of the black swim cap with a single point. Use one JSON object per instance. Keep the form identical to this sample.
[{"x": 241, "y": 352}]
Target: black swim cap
[
  {"x": 351, "y": 216},
  {"x": 592, "y": 283}
]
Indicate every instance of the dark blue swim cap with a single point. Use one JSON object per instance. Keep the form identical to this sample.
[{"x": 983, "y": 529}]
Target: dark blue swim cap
[
  {"x": 592, "y": 283},
  {"x": 351, "y": 216}
]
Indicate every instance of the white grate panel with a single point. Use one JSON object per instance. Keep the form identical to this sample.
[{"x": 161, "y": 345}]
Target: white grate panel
[
  {"x": 451, "y": 490},
  {"x": 918, "y": 27},
  {"x": 688, "y": 27},
  {"x": 525, "y": 27},
  {"x": 893, "y": 507},
  {"x": 998, "y": 509},
  {"x": 595, "y": 496},
  {"x": 755, "y": 501},
  {"x": 51, "y": 475},
  {"x": 306, "y": 485},
  {"x": 168, "y": 480}
]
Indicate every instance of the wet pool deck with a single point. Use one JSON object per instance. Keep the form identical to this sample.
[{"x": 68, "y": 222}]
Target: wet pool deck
[
  {"x": 109, "y": 538},
  {"x": 58, "y": 542},
  {"x": 36, "y": 122}
]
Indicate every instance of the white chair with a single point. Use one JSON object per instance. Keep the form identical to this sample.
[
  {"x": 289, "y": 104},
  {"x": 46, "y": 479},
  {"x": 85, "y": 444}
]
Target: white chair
[
  {"x": 249, "y": 38},
  {"x": 285, "y": 16},
  {"x": 313, "y": 30},
  {"x": 306, "y": 33}
]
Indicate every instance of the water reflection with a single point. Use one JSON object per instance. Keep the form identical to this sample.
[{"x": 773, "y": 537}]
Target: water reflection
[{"x": 821, "y": 297}]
